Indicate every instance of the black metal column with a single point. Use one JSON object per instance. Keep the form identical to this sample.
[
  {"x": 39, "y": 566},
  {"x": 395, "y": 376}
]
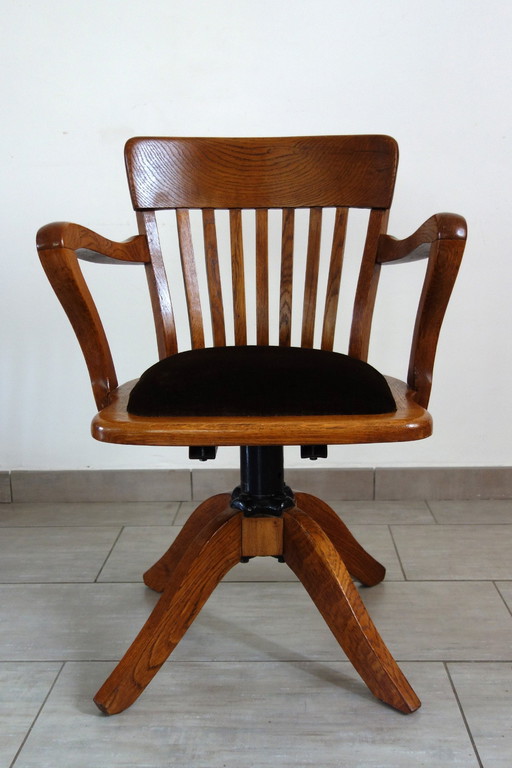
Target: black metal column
[{"x": 262, "y": 490}]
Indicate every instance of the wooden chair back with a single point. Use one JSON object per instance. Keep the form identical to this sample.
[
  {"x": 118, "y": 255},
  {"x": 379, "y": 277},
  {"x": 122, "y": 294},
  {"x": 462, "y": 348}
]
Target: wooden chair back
[{"x": 210, "y": 175}]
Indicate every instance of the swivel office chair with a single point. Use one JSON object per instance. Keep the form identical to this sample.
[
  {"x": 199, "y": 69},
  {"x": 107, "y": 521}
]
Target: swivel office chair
[{"x": 260, "y": 389}]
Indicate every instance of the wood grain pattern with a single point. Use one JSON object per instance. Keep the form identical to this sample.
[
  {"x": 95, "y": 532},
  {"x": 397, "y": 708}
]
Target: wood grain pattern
[
  {"x": 95, "y": 247},
  {"x": 441, "y": 240},
  {"x": 410, "y": 422},
  {"x": 367, "y": 285},
  {"x": 262, "y": 278},
  {"x": 334, "y": 278},
  {"x": 311, "y": 277},
  {"x": 159, "y": 575},
  {"x": 312, "y": 557},
  {"x": 286, "y": 286},
  {"x": 158, "y": 285},
  {"x": 238, "y": 277},
  {"x": 213, "y": 277},
  {"x": 303, "y": 171},
  {"x": 262, "y": 536},
  {"x": 188, "y": 266}
]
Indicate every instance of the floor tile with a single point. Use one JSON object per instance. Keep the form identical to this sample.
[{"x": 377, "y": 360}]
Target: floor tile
[
  {"x": 54, "y": 554},
  {"x": 254, "y": 621},
  {"x": 442, "y": 620},
  {"x": 228, "y": 714},
  {"x": 476, "y": 512},
  {"x": 49, "y": 622},
  {"x": 383, "y": 512},
  {"x": 138, "y": 548},
  {"x": 455, "y": 551},
  {"x": 93, "y": 513},
  {"x": 484, "y": 691},
  {"x": 23, "y": 689}
]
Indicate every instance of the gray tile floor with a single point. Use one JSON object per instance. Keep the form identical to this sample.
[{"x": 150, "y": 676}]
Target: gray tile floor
[{"x": 258, "y": 680}]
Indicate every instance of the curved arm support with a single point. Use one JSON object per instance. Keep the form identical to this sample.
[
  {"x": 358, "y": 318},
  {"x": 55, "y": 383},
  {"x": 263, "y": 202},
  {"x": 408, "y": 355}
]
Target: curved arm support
[
  {"x": 441, "y": 240},
  {"x": 90, "y": 246},
  {"x": 59, "y": 247}
]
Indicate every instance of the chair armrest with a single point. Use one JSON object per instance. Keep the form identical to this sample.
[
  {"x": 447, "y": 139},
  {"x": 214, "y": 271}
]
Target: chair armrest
[
  {"x": 90, "y": 246},
  {"x": 60, "y": 245},
  {"x": 441, "y": 240}
]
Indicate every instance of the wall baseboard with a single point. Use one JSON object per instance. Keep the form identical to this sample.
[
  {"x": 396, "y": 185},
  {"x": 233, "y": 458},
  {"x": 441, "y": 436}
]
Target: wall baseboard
[{"x": 393, "y": 483}]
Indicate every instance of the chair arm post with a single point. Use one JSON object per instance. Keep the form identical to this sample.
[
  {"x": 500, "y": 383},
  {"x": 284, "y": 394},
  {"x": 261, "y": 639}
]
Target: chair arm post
[
  {"x": 58, "y": 245},
  {"x": 441, "y": 240}
]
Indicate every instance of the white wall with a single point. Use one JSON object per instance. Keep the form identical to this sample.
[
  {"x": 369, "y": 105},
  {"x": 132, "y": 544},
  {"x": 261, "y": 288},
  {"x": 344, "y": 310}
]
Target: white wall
[{"x": 81, "y": 76}]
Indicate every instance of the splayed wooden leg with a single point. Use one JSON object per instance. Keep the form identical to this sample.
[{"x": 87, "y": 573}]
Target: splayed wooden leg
[
  {"x": 204, "y": 563},
  {"x": 311, "y": 555}
]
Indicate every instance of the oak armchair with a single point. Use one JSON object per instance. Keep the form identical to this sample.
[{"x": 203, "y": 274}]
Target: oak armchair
[{"x": 239, "y": 381}]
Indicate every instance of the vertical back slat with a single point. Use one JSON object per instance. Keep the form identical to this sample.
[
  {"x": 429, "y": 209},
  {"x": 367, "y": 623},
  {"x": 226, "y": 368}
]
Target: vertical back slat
[
  {"x": 311, "y": 277},
  {"x": 190, "y": 278},
  {"x": 213, "y": 278},
  {"x": 160, "y": 296},
  {"x": 262, "y": 314},
  {"x": 285, "y": 309},
  {"x": 238, "y": 276},
  {"x": 334, "y": 278},
  {"x": 366, "y": 291}
]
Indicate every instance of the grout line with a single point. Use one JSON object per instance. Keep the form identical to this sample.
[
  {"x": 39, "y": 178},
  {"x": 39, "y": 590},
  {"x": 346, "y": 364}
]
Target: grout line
[
  {"x": 24, "y": 741},
  {"x": 390, "y": 527},
  {"x": 498, "y": 590},
  {"x": 463, "y": 715},
  {"x": 108, "y": 555},
  {"x": 436, "y": 521}
]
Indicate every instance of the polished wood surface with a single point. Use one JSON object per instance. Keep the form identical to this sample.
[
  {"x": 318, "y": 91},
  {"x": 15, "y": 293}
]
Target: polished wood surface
[
  {"x": 262, "y": 536},
  {"x": 441, "y": 240},
  {"x": 160, "y": 572},
  {"x": 288, "y": 172},
  {"x": 209, "y": 556},
  {"x": 360, "y": 564},
  {"x": 312, "y": 557},
  {"x": 114, "y": 424}
]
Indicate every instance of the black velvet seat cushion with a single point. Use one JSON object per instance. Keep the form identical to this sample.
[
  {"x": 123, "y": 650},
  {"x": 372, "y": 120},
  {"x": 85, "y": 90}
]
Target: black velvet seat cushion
[{"x": 260, "y": 381}]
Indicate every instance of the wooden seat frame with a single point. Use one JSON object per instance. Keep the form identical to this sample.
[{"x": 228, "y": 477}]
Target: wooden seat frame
[{"x": 262, "y": 517}]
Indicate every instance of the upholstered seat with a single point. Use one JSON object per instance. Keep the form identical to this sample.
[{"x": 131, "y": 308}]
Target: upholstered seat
[{"x": 260, "y": 381}]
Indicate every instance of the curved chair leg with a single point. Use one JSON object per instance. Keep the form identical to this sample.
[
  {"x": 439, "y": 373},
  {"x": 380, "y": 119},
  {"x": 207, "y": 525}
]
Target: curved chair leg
[
  {"x": 157, "y": 577},
  {"x": 208, "y": 558},
  {"x": 313, "y": 558},
  {"x": 359, "y": 562}
]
